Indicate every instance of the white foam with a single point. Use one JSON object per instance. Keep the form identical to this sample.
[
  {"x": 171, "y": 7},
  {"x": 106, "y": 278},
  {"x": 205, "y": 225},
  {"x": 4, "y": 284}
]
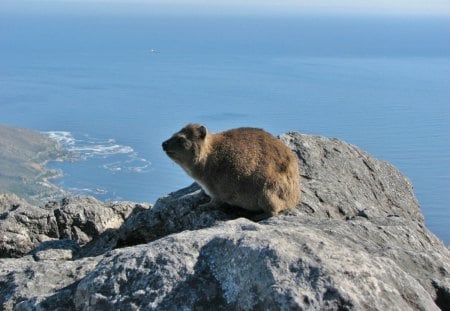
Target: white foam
[
  {"x": 113, "y": 167},
  {"x": 90, "y": 147},
  {"x": 87, "y": 191},
  {"x": 63, "y": 138},
  {"x": 132, "y": 165},
  {"x": 101, "y": 150}
]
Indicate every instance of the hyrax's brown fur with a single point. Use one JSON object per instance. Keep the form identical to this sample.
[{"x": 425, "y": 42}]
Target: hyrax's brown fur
[{"x": 245, "y": 167}]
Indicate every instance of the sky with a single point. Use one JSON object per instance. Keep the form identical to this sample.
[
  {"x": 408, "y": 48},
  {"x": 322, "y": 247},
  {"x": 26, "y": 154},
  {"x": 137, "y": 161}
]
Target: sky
[{"x": 255, "y": 7}]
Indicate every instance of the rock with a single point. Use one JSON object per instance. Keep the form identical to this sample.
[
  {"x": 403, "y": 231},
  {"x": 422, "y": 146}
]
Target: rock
[
  {"x": 9, "y": 202},
  {"x": 83, "y": 218},
  {"x": 240, "y": 265},
  {"x": 341, "y": 181},
  {"x": 176, "y": 212},
  {"x": 24, "y": 282},
  {"x": 24, "y": 226},
  {"x": 356, "y": 241},
  {"x": 55, "y": 250}
]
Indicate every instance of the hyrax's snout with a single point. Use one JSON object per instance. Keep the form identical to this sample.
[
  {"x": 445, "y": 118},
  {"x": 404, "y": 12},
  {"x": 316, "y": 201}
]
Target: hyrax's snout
[
  {"x": 165, "y": 145},
  {"x": 169, "y": 147}
]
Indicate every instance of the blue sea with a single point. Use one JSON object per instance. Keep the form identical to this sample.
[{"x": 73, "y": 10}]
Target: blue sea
[{"x": 112, "y": 88}]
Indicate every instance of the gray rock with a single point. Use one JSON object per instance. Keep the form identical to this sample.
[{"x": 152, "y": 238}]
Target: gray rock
[
  {"x": 25, "y": 282},
  {"x": 83, "y": 218},
  {"x": 55, "y": 250},
  {"x": 176, "y": 212},
  {"x": 24, "y": 226},
  {"x": 357, "y": 241},
  {"x": 341, "y": 181},
  {"x": 283, "y": 264}
]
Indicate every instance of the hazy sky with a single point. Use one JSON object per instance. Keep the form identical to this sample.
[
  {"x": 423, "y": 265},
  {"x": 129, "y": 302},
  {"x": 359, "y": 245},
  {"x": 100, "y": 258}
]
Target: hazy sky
[{"x": 390, "y": 7}]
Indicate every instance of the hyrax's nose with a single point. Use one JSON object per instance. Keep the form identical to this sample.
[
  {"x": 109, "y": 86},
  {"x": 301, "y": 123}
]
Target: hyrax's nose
[{"x": 164, "y": 145}]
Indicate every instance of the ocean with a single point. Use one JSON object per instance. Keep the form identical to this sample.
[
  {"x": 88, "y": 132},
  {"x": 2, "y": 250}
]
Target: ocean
[{"x": 112, "y": 88}]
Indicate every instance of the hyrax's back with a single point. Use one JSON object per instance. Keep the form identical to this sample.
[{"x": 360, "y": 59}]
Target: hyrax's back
[{"x": 254, "y": 170}]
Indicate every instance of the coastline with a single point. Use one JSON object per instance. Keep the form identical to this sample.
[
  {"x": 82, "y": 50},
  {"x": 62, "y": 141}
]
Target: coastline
[{"x": 24, "y": 156}]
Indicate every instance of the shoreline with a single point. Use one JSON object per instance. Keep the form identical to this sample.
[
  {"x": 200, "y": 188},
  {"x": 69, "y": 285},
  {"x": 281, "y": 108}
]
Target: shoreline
[
  {"x": 24, "y": 156},
  {"x": 27, "y": 154}
]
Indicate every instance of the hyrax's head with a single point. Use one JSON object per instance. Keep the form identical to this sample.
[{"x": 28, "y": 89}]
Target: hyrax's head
[{"x": 184, "y": 146}]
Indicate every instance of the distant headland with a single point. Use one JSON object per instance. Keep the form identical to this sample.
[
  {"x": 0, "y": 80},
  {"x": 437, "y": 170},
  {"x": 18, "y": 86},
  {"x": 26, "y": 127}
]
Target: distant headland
[{"x": 23, "y": 157}]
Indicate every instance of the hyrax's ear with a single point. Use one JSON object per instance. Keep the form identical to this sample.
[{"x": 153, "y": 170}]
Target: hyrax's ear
[{"x": 202, "y": 131}]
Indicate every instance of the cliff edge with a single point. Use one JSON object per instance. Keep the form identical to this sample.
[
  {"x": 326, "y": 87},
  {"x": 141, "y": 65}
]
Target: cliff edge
[{"x": 357, "y": 241}]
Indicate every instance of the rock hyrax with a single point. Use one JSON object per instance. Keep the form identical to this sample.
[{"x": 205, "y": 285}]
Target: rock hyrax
[{"x": 245, "y": 167}]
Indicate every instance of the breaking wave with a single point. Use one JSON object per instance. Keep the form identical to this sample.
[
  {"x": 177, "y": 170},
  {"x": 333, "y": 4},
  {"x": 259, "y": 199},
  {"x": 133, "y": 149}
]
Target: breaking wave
[{"x": 117, "y": 158}]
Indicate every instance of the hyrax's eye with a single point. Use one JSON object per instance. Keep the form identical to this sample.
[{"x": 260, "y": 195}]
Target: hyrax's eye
[
  {"x": 187, "y": 144},
  {"x": 184, "y": 142}
]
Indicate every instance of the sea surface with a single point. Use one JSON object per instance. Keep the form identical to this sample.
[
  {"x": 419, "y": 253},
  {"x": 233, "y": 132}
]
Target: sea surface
[{"x": 111, "y": 89}]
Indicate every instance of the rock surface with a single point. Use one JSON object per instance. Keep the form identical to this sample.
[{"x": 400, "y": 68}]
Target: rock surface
[
  {"x": 357, "y": 241},
  {"x": 80, "y": 219}
]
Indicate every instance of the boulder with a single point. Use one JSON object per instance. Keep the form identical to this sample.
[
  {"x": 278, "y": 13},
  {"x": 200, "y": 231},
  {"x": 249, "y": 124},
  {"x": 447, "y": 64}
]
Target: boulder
[
  {"x": 341, "y": 181},
  {"x": 24, "y": 226},
  {"x": 356, "y": 241},
  {"x": 287, "y": 264},
  {"x": 25, "y": 283},
  {"x": 83, "y": 218}
]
